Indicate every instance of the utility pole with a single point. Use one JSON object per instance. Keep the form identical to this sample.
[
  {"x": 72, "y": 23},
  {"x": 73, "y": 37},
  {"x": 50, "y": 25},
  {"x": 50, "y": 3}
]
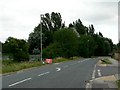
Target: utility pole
[
  {"x": 42, "y": 16},
  {"x": 41, "y": 34}
]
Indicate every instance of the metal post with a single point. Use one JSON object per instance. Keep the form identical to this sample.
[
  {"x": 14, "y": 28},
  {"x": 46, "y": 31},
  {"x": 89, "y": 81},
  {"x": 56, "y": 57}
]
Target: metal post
[{"x": 41, "y": 34}]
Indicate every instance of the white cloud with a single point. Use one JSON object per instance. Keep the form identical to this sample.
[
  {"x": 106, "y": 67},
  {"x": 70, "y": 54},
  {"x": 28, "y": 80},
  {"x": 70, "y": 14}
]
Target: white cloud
[{"x": 19, "y": 17}]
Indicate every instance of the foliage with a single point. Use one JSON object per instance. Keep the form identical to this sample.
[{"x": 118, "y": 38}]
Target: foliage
[
  {"x": 67, "y": 41},
  {"x": 17, "y": 48},
  {"x": 79, "y": 27},
  {"x": 65, "y": 44},
  {"x": 50, "y": 24},
  {"x": 106, "y": 61},
  {"x": 12, "y": 66},
  {"x": 52, "y": 51},
  {"x": 87, "y": 46},
  {"x": 98, "y": 45}
]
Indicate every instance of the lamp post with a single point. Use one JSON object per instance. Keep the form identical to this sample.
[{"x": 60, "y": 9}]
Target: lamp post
[
  {"x": 88, "y": 48},
  {"x": 41, "y": 35},
  {"x": 42, "y": 16}
]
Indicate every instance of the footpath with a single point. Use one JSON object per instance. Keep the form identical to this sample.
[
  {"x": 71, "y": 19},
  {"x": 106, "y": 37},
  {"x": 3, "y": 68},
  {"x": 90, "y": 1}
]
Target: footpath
[{"x": 107, "y": 82}]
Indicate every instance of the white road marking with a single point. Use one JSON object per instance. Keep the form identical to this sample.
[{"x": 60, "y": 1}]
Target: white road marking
[
  {"x": 87, "y": 85},
  {"x": 99, "y": 73},
  {"x": 58, "y": 69},
  {"x": 43, "y": 73},
  {"x": 19, "y": 82},
  {"x": 93, "y": 75}
]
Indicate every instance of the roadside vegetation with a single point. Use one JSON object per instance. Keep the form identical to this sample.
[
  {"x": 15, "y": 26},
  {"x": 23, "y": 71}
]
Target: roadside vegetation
[
  {"x": 60, "y": 59},
  {"x": 58, "y": 40},
  {"x": 106, "y": 61},
  {"x": 12, "y": 66}
]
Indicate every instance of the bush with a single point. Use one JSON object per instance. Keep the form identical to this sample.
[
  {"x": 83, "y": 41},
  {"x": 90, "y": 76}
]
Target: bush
[
  {"x": 52, "y": 51},
  {"x": 18, "y": 48},
  {"x": 67, "y": 42},
  {"x": 21, "y": 56}
]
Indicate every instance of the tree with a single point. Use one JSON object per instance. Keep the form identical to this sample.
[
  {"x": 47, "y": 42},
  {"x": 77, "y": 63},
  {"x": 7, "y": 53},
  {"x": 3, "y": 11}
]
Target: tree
[
  {"x": 67, "y": 41},
  {"x": 104, "y": 45},
  {"x": 91, "y": 29},
  {"x": 87, "y": 46},
  {"x": 79, "y": 27},
  {"x": 50, "y": 24},
  {"x": 100, "y": 34},
  {"x": 17, "y": 48}
]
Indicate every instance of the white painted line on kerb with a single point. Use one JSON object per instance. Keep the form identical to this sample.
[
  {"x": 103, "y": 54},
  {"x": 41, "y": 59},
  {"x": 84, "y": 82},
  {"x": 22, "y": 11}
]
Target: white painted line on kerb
[
  {"x": 43, "y": 73},
  {"x": 58, "y": 69},
  {"x": 19, "y": 82},
  {"x": 99, "y": 73}
]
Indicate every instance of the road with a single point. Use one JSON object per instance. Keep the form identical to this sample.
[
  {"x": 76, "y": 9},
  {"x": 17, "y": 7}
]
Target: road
[{"x": 72, "y": 74}]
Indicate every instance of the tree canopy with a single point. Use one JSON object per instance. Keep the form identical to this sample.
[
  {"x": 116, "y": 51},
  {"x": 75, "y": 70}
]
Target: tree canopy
[
  {"x": 59, "y": 40},
  {"x": 16, "y": 48}
]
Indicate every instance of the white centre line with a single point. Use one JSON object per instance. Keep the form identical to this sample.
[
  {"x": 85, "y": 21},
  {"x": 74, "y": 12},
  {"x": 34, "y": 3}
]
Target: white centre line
[
  {"x": 99, "y": 73},
  {"x": 19, "y": 82},
  {"x": 43, "y": 73}
]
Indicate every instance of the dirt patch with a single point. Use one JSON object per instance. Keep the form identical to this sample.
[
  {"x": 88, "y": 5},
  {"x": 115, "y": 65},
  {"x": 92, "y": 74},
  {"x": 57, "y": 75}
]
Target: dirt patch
[{"x": 107, "y": 78}]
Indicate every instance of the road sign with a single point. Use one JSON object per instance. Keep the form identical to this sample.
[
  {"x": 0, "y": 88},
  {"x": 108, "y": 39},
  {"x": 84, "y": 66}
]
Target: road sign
[{"x": 48, "y": 61}]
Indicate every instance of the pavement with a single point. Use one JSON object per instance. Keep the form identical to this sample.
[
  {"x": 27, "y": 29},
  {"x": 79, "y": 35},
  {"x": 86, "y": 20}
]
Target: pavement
[{"x": 107, "y": 75}]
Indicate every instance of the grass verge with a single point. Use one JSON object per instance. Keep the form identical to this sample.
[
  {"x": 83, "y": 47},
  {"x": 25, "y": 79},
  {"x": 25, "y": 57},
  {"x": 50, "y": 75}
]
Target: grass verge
[
  {"x": 106, "y": 61},
  {"x": 61, "y": 59},
  {"x": 11, "y": 66}
]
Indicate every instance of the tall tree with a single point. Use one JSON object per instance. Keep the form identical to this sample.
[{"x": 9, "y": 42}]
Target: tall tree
[
  {"x": 91, "y": 29},
  {"x": 50, "y": 24},
  {"x": 79, "y": 27},
  {"x": 68, "y": 42},
  {"x": 87, "y": 46}
]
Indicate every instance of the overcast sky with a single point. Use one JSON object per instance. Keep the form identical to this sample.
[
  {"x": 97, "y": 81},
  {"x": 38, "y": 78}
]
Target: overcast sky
[{"x": 19, "y": 17}]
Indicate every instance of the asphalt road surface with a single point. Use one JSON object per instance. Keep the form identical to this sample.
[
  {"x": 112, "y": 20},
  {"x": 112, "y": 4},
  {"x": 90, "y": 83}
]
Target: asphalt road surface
[{"x": 72, "y": 74}]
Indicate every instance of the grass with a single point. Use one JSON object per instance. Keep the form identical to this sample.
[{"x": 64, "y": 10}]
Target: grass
[
  {"x": 118, "y": 84},
  {"x": 60, "y": 59},
  {"x": 106, "y": 61},
  {"x": 11, "y": 66}
]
